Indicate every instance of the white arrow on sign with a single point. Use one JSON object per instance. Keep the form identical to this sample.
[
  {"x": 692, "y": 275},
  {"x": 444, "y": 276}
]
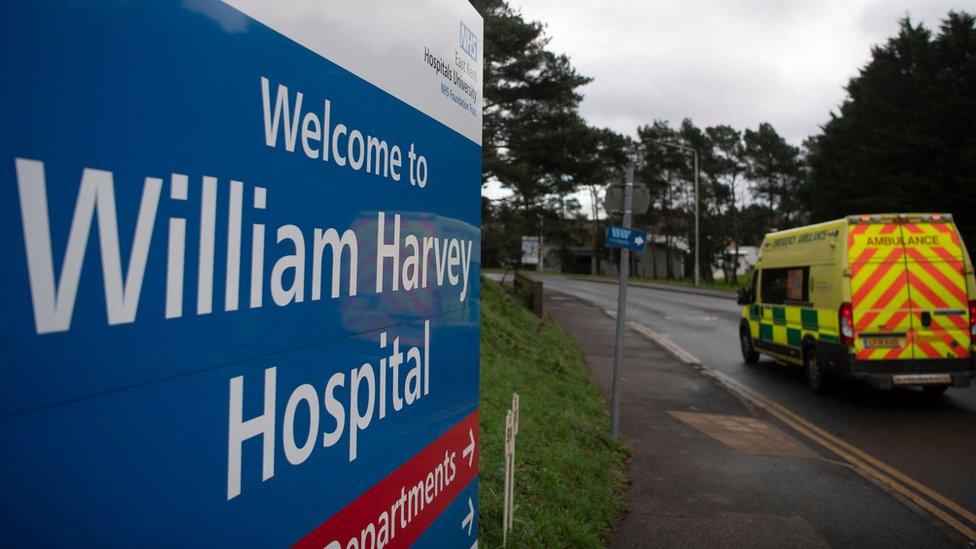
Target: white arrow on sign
[
  {"x": 468, "y": 451},
  {"x": 638, "y": 240},
  {"x": 469, "y": 518}
]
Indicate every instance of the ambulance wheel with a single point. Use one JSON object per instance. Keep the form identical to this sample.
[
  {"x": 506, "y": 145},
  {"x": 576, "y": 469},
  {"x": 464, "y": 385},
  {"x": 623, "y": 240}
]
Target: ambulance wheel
[
  {"x": 813, "y": 369},
  {"x": 749, "y": 354},
  {"x": 934, "y": 390}
]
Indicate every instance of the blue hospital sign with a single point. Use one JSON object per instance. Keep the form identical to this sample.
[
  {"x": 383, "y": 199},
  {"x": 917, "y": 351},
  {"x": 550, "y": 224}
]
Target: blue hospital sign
[{"x": 241, "y": 278}]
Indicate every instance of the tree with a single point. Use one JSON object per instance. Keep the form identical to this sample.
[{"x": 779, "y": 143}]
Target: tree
[
  {"x": 774, "y": 167},
  {"x": 668, "y": 173},
  {"x": 660, "y": 172},
  {"x": 712, "y": 198},
  {"x": 724, "y": 163},
  {"x": 603, "y": 157},
  {"x": 534, "y": 141},
  {"x": 905, "y": 137},
  {"x": 531, "y": 125}
]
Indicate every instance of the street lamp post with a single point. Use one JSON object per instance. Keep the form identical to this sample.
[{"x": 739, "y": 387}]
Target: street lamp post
[
  {"x": 697, "y": 218},
  {"x": 697, "y": 230}
]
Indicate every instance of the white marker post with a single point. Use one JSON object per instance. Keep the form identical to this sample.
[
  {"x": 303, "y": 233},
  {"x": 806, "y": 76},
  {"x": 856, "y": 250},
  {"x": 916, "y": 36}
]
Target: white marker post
[
  {"x": 508, "y": 445},
  {"x": 508, "y": 505},
  {"x": 511, "y": 483}
]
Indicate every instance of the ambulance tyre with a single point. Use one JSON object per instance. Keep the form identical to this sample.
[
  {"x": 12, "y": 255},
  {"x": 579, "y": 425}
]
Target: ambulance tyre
[
  {"x": 749, "y": 353},
  {"x": 813, "y": 370}
]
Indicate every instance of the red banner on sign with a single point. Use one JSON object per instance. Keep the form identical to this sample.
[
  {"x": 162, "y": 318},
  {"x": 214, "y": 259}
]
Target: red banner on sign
[{"x": 398, "y": 509}]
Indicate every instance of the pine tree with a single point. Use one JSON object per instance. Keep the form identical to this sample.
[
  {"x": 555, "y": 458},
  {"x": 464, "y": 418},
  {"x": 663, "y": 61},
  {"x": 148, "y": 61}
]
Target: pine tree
[
  {"x": 531, "y": 123},
  {"x": 905, "y": 138}
]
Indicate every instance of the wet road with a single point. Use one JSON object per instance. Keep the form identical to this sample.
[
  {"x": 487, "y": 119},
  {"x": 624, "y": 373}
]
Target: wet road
[{"x": 931, "y": 440}]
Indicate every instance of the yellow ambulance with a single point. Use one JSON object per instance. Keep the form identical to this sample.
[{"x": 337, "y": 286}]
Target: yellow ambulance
[{"x": 890, "y": 299}]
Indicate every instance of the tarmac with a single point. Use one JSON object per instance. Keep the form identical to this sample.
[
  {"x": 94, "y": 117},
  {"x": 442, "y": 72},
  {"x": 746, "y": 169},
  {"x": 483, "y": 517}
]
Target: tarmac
[{"x": 709, "y": 469}]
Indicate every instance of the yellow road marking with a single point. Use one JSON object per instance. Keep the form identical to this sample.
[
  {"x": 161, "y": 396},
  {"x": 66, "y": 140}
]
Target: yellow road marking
[
  {"x": 745, "y": 434},
  {"x": 860, "y": 459}
]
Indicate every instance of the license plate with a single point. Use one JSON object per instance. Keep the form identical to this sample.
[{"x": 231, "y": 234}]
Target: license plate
[
  {"x": 883, "y": 342},
  {"x": 922, "y": 379}
]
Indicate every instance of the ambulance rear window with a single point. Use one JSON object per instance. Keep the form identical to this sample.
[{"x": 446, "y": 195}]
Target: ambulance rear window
[{"x": 782, "y": 285}]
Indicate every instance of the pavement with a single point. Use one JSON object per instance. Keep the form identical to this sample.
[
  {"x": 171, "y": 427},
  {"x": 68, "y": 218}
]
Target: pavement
[
  {"x": 710, "y": 468},
  {"x": 930, "y": 441}
]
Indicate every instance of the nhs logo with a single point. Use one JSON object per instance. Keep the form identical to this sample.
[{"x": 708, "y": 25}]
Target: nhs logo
[{"x": 468, "y": 42}]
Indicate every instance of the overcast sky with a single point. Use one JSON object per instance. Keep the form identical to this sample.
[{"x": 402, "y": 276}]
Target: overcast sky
[{"x": 737, "y": 62}]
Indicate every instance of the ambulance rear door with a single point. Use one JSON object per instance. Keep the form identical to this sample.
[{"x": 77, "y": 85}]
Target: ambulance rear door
[
  {"x": 937, "y": 288},
  {"x": 880, "y": 297}
]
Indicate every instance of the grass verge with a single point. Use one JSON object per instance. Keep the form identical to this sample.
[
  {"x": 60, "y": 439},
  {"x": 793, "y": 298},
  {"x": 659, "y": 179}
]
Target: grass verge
[
  {"x": 569, "y": 479},
  {"x": 722, "y": 285}
]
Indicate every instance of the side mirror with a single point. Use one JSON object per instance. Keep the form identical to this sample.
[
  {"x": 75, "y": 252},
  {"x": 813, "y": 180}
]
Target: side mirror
[{"x": 744, "y": 297}]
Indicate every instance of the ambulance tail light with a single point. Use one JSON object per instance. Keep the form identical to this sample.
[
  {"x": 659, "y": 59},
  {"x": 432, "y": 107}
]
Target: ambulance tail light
[
  {"x": 847, "y": 324},
  {"x": 972, "y": 318}
]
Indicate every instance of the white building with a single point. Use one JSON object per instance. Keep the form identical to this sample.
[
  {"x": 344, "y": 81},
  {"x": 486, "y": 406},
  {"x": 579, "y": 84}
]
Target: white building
[
  {"x": 653, "y": 261},
  {"x": 748, "y": 256}
]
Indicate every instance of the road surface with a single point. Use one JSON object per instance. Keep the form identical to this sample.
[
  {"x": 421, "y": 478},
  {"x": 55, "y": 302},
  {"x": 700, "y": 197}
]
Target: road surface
[{"x": 930, "y": 440}]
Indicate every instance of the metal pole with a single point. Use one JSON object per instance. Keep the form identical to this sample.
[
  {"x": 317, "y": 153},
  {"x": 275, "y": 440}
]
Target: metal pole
[
  {"x": 618, "y": 342},
  {"x": 696, "y": 218}
]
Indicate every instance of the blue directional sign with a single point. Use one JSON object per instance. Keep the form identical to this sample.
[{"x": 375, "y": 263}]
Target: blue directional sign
[
  {"x": 628, "y": 238},
  {"x": 241, "y": 273}
]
